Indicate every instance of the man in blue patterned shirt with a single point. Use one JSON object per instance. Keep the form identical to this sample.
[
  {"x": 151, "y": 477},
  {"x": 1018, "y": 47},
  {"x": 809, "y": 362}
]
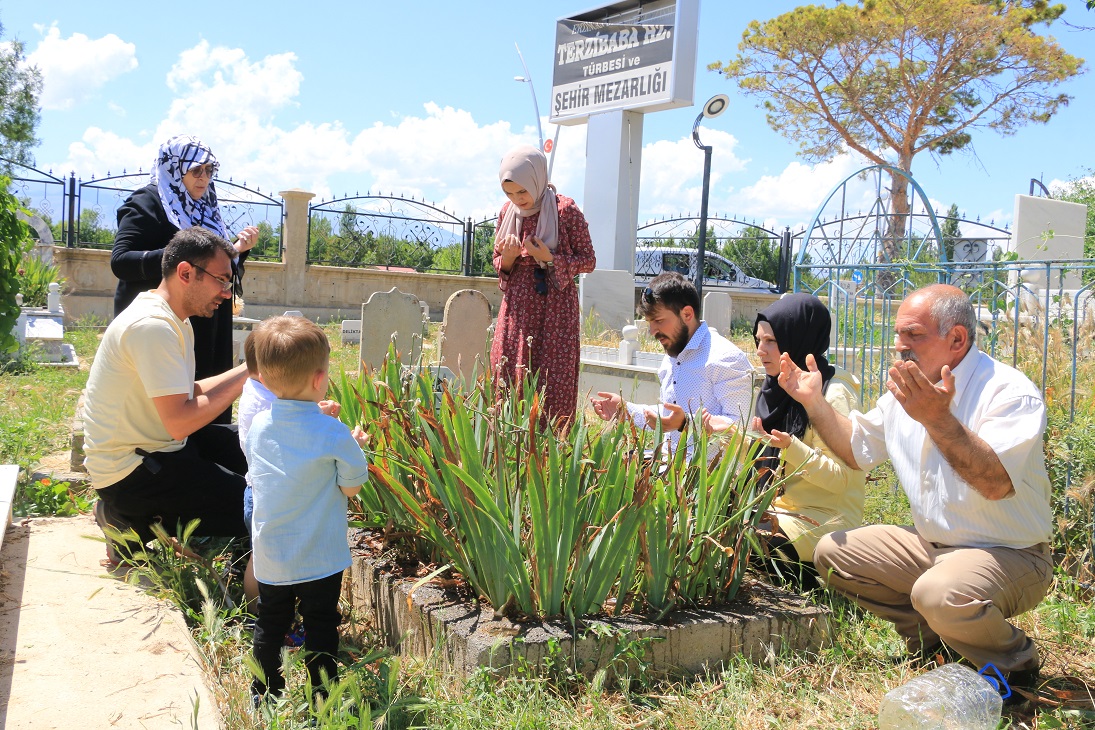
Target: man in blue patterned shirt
[{"x": 701, "y": 369}]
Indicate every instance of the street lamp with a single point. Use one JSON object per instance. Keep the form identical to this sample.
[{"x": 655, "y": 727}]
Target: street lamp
[
  {"x": 527, "y": 79},
  {"x": 715, "y": 106}
]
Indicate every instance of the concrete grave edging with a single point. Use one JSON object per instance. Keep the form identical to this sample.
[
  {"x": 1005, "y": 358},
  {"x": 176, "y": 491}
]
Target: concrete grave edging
[{"x": 430, "y": 621}]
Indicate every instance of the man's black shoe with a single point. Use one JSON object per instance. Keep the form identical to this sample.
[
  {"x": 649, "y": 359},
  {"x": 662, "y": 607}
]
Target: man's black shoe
[{"x": 1027, "y": 680}]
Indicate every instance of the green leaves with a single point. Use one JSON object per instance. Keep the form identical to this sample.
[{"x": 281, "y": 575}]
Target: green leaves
[
  {"x": 545, "y": 523},
  {"x": 891, "y": 78}
]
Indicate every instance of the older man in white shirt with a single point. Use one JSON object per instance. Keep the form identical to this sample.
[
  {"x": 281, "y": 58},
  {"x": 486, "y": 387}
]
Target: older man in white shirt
[
  {"x": 701, "y": 368},
  {"x": 964, "y": 434}
]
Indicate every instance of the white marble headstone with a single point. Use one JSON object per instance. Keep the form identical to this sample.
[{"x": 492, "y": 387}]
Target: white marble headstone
[
  {"x": 464, "y": 333},
  {"x": 388, "y": 315}
]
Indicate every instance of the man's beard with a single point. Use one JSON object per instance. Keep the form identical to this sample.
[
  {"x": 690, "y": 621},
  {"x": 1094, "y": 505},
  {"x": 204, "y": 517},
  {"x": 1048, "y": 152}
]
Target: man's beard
[{"x": 678, "y": 342}]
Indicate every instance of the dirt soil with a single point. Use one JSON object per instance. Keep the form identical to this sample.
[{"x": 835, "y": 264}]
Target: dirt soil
[{"x": 79, "y": 648}]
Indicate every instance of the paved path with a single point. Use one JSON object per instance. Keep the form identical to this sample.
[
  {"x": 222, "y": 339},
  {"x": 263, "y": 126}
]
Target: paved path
[{"x": 82, "y": 649}]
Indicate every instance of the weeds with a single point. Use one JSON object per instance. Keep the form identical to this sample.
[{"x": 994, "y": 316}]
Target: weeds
[{"x": 45, "y": 497}]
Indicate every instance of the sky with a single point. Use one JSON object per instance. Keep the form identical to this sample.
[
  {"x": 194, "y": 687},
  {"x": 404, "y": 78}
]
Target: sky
[{"x": 419, "y": 97}]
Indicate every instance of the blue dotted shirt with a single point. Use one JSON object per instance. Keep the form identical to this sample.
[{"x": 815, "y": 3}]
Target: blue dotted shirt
[{"x": 710, "y": 372}]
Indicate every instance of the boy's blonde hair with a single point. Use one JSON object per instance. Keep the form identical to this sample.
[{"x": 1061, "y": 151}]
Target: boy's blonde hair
[
  {"x": 249, "y": 355},
  {"x": 289, "y": 351}
]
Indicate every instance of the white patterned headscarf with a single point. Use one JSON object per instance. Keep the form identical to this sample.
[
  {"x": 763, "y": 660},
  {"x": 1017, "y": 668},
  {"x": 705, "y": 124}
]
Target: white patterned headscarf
[
  {"x": 527, "y": 166},
  {"x": 177, "y": 155}
]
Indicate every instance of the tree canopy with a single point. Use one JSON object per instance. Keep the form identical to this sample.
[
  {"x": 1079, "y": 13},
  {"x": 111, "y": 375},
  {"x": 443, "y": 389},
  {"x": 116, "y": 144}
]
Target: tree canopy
[
  {"x": 893, "y": 78},
  {"x": 20, "y": 86}
]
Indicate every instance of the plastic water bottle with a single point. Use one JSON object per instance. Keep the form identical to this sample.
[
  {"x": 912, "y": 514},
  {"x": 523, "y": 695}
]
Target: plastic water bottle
[{"x": 950, "y": 697}]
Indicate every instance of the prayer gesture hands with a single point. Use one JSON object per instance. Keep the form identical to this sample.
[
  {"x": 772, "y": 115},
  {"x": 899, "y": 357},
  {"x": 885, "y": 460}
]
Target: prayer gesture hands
[
  {"x": 673, "y": 422},
  {"x": 779, "y": 439},
  {"x": 608, "y": 405},
  {"x": 925, "y": 402},
  {"x": 247, "y": 239},
  {"x": 802, "y": 385},
  {"x": 536, "y": 248},
  {"x": 510, "y": 248}
]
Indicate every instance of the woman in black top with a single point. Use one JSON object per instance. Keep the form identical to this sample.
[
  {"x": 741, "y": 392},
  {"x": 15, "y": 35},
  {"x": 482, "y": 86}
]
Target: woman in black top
[{"x": 181, "y": 194}]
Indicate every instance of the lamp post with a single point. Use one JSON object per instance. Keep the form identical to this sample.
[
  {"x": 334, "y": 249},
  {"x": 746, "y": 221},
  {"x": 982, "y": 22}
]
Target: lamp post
[
  {"x": 715, "y": 106},
  {"x": 527, "y": 79}
]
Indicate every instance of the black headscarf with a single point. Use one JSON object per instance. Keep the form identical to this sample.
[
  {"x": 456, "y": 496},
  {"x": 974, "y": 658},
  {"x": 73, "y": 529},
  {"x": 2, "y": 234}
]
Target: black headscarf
[{"x": 801, "y": 324}]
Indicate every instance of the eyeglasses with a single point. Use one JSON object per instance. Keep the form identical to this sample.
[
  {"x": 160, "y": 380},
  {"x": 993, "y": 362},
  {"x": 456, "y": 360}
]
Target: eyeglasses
[
  {"x": 226, "y": 284},
  {"x": 540, "y": 281},
  {"x": 200, "y": 171},
  {"x": 648, "y": 295}
]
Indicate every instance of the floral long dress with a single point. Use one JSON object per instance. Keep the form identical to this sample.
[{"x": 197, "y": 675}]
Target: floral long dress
[{"x": 541, "y": 332}]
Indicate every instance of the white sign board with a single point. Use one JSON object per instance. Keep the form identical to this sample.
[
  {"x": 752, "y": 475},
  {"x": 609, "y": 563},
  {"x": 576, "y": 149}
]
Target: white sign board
[{"x": 624, "y": 56}]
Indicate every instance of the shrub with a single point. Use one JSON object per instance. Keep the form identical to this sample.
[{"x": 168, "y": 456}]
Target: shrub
[
  {"x": 546, "y": 523},
  {"x": 13, "y": 234},
  {"x": 35, "y": 276}
]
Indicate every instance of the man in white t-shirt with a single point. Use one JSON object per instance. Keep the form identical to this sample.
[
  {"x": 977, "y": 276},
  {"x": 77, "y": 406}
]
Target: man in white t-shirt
[
  {"x": 150, "y": 449},
  {"x": 701, "y": 368},
  {"x": 964, "y": 434}
]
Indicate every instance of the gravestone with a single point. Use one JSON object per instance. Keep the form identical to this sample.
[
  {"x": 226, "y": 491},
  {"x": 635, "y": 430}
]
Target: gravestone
[
  {"x": 464, "y": 343},
  {"x": 351, "y": 331},
  {"x": 718, "y": 311},
  {"x": 386, "y": 316},
  {"x": 1048, "y": 230}
]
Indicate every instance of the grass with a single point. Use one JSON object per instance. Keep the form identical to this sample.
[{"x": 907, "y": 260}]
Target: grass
[
  {"x": 37, "y": 405},
  {"x": 839, "y": 687}
]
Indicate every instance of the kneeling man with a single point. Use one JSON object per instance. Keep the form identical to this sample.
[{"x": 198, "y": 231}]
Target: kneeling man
[
  {"x": 150, "y": 449},
  {"x": 964, "y": 434}
]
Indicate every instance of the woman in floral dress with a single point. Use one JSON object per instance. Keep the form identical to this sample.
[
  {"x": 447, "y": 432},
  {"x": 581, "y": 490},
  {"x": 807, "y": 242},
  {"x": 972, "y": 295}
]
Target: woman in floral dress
[{"x": 541, "y": 244}]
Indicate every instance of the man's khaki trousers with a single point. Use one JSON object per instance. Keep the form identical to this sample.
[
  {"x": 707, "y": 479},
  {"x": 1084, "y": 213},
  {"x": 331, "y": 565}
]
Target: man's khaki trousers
[{"x": 931, "y": 591}]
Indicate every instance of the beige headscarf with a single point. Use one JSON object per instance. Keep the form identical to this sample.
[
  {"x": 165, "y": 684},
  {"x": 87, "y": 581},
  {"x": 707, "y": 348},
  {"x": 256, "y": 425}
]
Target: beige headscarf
[{"x": 527, "y": 166}]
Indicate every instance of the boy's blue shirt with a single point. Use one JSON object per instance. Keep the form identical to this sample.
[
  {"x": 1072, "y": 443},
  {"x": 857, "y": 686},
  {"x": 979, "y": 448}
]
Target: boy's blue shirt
[{"x": 298, "y": 458}]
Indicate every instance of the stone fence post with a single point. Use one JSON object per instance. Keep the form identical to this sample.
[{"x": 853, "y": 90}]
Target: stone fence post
[{"x": 295, "y": 239}]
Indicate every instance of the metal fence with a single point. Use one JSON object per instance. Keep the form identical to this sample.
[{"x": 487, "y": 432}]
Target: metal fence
[
  {"x": 1038, "y": 316},
  {"x": 98, "y": 201},
  {"x": 84, "y": 212},
  {"x": 38, "y": 191},
  {"x": 733, "y": 247},
  {"x": 388, "y": 231}
]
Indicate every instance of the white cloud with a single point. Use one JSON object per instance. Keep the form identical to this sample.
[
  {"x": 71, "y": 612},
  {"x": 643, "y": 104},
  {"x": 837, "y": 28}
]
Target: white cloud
[
  {"x": 443, "y": 154},
  {"x": 232, "y": 103},
  {"x": 75, "y": 68},
  {"x": 798, "y": 191},
  {"x": 672, "y": 174}
]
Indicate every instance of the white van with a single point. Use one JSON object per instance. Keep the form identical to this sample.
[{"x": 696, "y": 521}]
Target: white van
[{"x": 720, "y": 274}]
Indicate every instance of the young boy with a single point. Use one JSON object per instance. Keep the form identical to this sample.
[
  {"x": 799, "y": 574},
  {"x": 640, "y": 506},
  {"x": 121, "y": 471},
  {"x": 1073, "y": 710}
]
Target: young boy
[
  {"x": 255, "y": 399},
  {"x": 303, "y": 466}
]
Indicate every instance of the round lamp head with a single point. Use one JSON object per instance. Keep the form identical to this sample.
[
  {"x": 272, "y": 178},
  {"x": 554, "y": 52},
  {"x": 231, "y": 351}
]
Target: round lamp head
[{"x": 716, "y": 105}]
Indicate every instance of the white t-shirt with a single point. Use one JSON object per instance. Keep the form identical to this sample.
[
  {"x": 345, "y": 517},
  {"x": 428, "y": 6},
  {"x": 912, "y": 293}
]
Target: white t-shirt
[
  {"x": 146, "y": 352},
  {"x": 1005, "y": 409},
  {"x": 255, "y": 399}
]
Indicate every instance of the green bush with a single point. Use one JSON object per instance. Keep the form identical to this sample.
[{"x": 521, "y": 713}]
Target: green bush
[
  {"x": 35, "y": 276},
  {"x": 544, "y": 523},
  {"x": 13, "y": 236}
]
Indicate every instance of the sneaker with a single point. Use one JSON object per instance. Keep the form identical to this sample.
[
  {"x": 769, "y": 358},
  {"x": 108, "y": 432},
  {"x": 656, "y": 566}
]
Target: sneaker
[{"x": 296, "y": 636}]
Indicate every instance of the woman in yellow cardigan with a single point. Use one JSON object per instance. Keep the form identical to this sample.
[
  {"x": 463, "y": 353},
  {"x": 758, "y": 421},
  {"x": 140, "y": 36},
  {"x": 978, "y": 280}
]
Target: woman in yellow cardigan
[{"x": 821, "y": 494}]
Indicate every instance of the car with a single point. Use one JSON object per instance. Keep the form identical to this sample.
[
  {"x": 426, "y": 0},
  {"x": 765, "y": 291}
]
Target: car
[{"x": 720, "y": 273}]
